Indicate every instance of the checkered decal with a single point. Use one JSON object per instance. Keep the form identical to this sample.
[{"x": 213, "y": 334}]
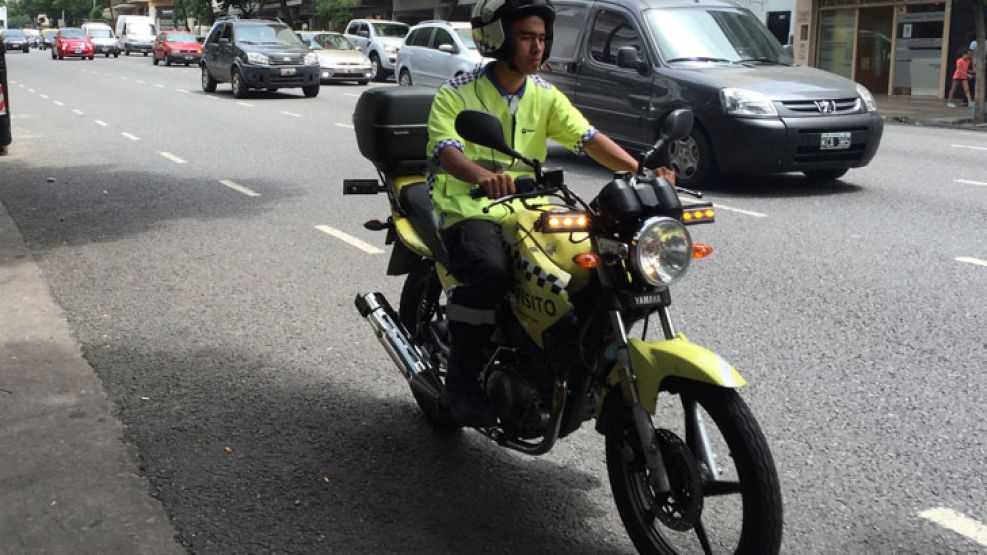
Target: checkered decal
[
  {"x": 466, "y": 78},
  {"x": 541, "y": 82},
  {"x": 532, "y": 271},
  {"x": 589, "y": 134}
]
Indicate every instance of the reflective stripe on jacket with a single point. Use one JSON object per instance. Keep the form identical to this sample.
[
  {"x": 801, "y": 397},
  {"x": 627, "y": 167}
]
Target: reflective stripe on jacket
[{"x": 542, "y": 113}]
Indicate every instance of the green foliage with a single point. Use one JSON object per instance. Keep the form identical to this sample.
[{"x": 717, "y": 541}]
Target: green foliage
[
  {"x": 336, "y": 11},
  {"x": 96, "y": 12},
  {"x": 201, "y": 10},
  {"x": 246, "y": 7}
]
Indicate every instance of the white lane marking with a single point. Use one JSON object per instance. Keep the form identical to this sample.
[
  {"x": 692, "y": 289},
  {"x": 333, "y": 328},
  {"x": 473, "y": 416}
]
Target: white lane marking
[
  {"x": 44, "y": 96},
  {"x": 160, "y": 86},
  {"x": 212, "y": 98},
  {"x": 970, "y": 260},
  {"x": 968, "y": 182},
  {"x": 30, "y": 90},
  {"x": 78, "y": 112},
  {"x": 957, "y": 522},
  {"x": 173, "y": 158},
  {"x": 292, "y": 114},
  {"x": 20, "y": 85},
  {"x": 239, "y": 188},
  {"x": 101, "y": 123},
  {"x": 57, "y": 103},
  {"x": 346, "y": 125},
  {"x": 247, "y": 104},
  {"x": 346, "y": 237},
  {"x": 139, "y": 82},
  {"x": 181, "y": 90},
  {"x": 122, "y": 77},
  {"x": 129, "y": 136},
  {"x": 351, "y": 94},
  {"x": 970, "y": 146},
  {"x": 717, "y": 206}
]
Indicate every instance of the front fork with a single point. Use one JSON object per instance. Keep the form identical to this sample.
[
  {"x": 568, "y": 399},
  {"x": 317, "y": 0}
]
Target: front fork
[{"x": 642, "y": 420}]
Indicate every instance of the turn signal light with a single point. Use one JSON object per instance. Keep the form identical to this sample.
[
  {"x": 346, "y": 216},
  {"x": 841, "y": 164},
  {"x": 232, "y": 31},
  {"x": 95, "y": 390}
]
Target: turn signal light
[
  {"x": 703, "y": 215},
  {"x": 561, "y": 222},
  {"x": 587, "y": 260},
  {"x": 701, "y": 250}
]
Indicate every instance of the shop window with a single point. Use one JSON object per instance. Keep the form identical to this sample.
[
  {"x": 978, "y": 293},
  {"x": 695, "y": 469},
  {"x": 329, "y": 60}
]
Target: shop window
[
  {"x": 836, "y": 37},
  {"x": 918, "y": 50}
]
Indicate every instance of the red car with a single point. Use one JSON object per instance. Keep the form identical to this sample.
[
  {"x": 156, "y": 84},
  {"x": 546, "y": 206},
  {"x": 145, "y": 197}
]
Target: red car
[
  {"x": 177, "y": 47},
  {"x": 71, "y": 42}
]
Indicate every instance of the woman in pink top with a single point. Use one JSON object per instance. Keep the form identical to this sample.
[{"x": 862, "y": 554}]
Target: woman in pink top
[{"x": 961, "y": 75}]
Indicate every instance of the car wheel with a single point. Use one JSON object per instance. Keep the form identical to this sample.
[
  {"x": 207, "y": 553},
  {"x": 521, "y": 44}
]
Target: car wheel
[
  {"x": 145, "y": 54},
  {"x": 825, "y": 176},
  {"x": 126, "y": 51},
  {"x": 154, "y": 60},
  {"x": 239, "y": 87},
  {"x": 116, "y": 54},
  {"x": 106, "y": 54},
  {"x": 311, "y": 91},
  {"x": 362, "y": 82},
  {"x": 208, "y": 83},
  {"x": 692, "y": 159},
  {"x": 405, "y": 78},
  {"x": 167, "y": 61},
  {"x": 60, "y": 57},
  {"x": 379, "y": 72}
]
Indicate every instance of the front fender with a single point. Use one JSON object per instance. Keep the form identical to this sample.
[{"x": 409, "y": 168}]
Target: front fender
[{"x": 654, "y": 361}]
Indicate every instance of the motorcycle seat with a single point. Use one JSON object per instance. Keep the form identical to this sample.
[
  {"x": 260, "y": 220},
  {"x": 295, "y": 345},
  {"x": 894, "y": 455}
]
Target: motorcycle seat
[{"x": 417, "y": 205}]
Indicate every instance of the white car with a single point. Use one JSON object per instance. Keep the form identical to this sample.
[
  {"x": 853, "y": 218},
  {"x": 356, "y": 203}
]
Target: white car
[
  {"x": 436, "y": 51},
  {"x": 339, "y": 60},
  {"x": 379, "y": 40}
]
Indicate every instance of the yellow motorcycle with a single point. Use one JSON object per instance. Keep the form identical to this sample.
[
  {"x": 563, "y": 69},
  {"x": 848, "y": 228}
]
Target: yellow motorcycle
[{"x": 689, "y": 467}]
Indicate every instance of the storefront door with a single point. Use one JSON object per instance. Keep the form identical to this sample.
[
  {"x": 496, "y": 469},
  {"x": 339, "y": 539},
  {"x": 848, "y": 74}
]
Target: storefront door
[{"x": 873, "y": 61}]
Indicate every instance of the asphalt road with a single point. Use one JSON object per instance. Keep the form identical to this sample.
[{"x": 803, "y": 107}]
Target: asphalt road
[{"x": 178, "y": 230}]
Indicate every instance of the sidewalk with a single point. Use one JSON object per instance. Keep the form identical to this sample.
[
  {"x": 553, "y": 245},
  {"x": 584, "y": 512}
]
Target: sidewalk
[
  {"x": 926, "y": 111},
  {"x": 68, "y": 483}
]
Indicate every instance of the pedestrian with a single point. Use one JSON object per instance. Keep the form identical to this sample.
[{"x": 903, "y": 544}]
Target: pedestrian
[{"x": 961, "y": 76}]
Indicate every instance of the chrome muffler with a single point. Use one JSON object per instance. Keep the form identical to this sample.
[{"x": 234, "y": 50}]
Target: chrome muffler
[{"x": 396, "y": 340}]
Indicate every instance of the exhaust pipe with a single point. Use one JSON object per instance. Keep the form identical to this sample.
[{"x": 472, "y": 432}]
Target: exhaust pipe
[{"x": 397, "y": 342}]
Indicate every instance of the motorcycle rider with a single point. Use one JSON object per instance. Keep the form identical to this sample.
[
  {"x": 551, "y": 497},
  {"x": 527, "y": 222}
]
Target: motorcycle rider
[{"x": 518, "y": 35}]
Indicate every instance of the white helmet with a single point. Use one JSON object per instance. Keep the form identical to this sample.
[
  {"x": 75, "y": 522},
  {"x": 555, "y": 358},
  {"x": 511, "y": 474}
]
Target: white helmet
[{"x": 492, "y": 18}]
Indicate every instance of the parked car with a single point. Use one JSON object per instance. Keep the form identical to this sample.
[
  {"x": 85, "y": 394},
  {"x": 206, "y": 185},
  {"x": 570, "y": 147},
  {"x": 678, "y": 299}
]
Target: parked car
[
  {"x": 257, "y": 54},
  {"x": 33, "y": 37},
  {"x": 339, "y": 60},
  {"x": 436, "y": 51},
  {"x": 46, "y": 38},
  {"x": 104, "y": 40},
  {"x": 72, "y": 42},
  {"x": 5, "y": 137},
  {"x": 379, "y": 40},
  {"x": 135, "y": 33},
  {"x": 756, "y": 113},
  {"x": 179, "y": 47},
  {"x": 15, "y": 39}
]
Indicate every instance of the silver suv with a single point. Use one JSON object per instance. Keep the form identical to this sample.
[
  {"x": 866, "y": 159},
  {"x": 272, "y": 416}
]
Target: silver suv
[
  {"x": 379, "y": 40},
  {"x": 436, "y": 51}
]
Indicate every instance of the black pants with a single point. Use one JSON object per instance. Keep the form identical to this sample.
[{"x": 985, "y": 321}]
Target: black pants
[{"x": 479, "y": 260}]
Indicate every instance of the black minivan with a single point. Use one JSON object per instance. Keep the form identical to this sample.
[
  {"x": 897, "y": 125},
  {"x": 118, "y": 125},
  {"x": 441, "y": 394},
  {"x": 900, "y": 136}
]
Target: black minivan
[
  {"x": 628, "y": 63},
  {"x": 4, "y": 102},
  {"x": 257, "y": 54}
]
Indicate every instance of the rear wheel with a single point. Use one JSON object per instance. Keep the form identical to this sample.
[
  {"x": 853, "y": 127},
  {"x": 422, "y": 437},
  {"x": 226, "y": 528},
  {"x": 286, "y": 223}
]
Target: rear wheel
[
  {"x": 208, "y": 83},
  {"x": 405, "y": 78},
  {"x": 422, "y": 311},
  {"x": 311, "y": 91},
  {"x": 730, "y": 503},
  {"x": 692, "y": 160}
]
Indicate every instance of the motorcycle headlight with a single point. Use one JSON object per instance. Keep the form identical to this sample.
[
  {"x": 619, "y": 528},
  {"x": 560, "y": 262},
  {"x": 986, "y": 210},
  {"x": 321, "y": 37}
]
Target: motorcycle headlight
[
  {"x": 311, "y": 59},
  {"x": 661, "y": 251},
  {"x": 258, "y": 58},
  {"x": 867, "y": 97},
  {"x": 741, "y": 102}
]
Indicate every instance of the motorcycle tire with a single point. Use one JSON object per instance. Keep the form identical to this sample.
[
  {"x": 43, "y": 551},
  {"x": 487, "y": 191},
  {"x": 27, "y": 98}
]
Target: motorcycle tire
[
  {"x": 422, "y": 285},
  {"x": 754, "y": 471}
]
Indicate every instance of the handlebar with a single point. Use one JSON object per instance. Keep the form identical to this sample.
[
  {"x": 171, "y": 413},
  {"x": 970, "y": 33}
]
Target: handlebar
[{"x": 524, "y": 185}]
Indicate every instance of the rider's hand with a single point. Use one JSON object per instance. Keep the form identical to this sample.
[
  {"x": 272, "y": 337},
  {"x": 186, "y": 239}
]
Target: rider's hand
[
  {"x": 497, "y": 185},
  {"x": 667, "y": 173}
]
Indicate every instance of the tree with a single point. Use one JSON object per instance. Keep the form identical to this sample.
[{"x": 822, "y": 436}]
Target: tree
[
  {"x": 246, "y": 7},
  {"x": 336, "y": 11}
]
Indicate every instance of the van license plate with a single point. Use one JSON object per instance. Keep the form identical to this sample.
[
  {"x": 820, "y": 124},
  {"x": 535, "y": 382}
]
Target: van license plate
[
  {"x": 288, "y": 71},
  {"x": 835, "y": 141}
]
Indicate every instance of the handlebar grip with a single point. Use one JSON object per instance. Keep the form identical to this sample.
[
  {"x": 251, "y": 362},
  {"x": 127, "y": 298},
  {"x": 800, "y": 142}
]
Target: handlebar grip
[{"x": 477, "y": 193}]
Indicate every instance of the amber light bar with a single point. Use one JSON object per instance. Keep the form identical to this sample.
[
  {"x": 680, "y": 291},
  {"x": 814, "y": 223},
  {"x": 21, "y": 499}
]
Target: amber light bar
[
  {"x": 563, "y": 222},
  {"x": 698, "y": 215}
]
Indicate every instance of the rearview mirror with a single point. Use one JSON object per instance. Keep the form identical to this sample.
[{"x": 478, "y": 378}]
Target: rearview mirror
[
  {"x": 224, "y": 42},
  {"x": 483, "y": 129},
  {"x": 447, "y": 48},
  {"x": 677, "y": 125},
  {"x": 629, "y": 57}
]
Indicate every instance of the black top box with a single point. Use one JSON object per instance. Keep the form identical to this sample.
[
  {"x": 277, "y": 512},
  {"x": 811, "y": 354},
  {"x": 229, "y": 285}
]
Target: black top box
[{"x": 391, "y": 126}]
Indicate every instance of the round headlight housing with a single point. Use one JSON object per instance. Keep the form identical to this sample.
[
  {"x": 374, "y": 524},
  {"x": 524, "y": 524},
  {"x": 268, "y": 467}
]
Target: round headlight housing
[{"x": 661, "y": 251}]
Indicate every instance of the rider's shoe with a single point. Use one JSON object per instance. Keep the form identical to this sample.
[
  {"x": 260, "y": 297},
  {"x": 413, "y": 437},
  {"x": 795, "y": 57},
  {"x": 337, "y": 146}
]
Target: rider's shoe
[{"x": 469, "y": 407}]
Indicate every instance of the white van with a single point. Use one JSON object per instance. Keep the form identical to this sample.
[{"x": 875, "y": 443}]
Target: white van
[
  {"x": 135, "y": 33},
  {"x": 104, "y": 40}
]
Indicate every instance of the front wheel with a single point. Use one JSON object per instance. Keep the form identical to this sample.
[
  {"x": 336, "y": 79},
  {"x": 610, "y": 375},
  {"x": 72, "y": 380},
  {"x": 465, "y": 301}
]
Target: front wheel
[
  {"x": 692, "y": 159},
  {"x": 423, "y": 314},
  {"x": 311, "y": 91},
  {"x": 728, "y": 502},
  {"x": 404, "y": 79},
  {"x": 378, "y": 69},
  {"x": 239, "y": 87}
]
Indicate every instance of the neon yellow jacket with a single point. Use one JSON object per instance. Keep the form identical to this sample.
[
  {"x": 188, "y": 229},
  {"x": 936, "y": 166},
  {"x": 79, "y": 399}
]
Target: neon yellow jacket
[{"x": 542, "y": 112}]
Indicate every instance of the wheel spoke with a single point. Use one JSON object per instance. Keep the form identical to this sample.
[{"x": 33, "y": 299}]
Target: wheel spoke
[
  {"x": 720, "y": 487},
  {"x": 703, "y": 539}
]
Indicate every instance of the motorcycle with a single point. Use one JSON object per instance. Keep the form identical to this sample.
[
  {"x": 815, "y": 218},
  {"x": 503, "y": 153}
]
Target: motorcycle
[{"x": 585, "y": 274}]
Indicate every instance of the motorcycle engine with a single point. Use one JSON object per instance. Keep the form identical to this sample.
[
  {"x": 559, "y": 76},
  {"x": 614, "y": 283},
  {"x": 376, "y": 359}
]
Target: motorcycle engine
[{"x": 519, "y": 404}]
